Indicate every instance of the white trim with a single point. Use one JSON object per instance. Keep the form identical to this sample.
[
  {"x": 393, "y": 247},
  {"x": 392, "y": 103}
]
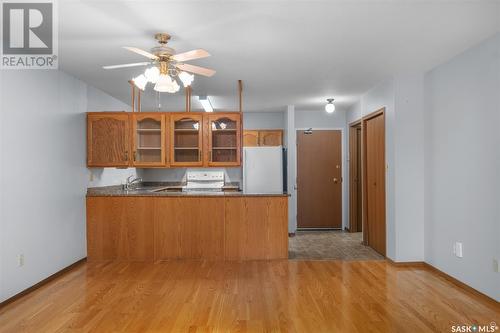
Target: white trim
[{"x": 343, "y": 163}]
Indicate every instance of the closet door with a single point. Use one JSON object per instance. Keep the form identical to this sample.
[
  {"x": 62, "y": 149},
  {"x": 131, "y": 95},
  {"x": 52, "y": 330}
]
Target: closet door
[{"x": 374, "y": 140}]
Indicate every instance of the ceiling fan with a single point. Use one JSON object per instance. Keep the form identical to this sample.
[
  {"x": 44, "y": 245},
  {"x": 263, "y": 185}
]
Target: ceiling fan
[{"x": 166, "y": 66}]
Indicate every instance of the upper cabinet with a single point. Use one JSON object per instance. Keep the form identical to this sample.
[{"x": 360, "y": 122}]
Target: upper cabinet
[
  {"x": 186, "y": 141},
  {"x": 224, "y": 139},
  {"x": 253, "y": 138},
  {"x": 250, "y": 138},
  {"x": 163, "y": 139},
  {"x": 271, "y": 138},
  {"x": 149, "y": 143},
  {"x": 108, "y": 140}
]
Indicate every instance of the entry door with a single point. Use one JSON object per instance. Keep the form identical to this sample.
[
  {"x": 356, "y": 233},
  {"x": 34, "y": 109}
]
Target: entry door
[
  {"x": 319, "y": 179},
  {"x": 374, "y": 137}
]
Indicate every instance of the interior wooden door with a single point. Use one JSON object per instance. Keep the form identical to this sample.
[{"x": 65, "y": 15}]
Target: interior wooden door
[
  {"x": 319, "y": 179},
  {"x": 108, "y": 140},
  {"x": 374, "y": 183},
  {"x": 355, "y": 207}
]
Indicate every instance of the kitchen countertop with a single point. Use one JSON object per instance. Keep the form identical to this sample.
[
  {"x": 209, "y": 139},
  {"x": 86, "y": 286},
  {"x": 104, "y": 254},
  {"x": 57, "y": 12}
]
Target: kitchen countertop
[{"x": 171, "y": 189}]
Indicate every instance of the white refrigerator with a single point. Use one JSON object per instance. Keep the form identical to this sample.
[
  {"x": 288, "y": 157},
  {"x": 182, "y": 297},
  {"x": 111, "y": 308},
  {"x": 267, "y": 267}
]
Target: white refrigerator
[{"x": 263, "y": 169}]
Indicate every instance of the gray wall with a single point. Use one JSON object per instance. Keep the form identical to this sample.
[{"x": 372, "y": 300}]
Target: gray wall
[
  {"x": 462, "y": 182},
  {"x": 43, "y": 174},
  {"x": 263, "y": 120},
  {"x": 179, "y": 174}
]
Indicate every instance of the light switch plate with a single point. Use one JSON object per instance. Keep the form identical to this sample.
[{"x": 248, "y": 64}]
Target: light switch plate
[
  {"x": 20, "y": 260},
  {"x": 495, "y": 265},
  {"x": 458, "y": 249}
]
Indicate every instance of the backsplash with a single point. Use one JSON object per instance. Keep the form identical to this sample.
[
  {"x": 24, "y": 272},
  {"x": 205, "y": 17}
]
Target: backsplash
[{"x": 231, "y": 175}]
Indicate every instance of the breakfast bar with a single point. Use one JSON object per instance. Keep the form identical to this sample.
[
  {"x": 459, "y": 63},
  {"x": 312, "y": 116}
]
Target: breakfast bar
[{"x": 148, "y": 225}]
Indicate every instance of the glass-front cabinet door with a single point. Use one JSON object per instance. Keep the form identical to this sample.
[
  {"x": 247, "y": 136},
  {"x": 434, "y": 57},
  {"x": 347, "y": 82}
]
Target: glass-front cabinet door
[
  {"x": 224, "y": 139},
  {"x": 149, "y": 140},
  {"x": 186, "y": 140}
]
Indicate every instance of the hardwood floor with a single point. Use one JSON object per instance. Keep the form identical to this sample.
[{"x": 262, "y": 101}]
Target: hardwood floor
[{"x": 256, "y": 296}]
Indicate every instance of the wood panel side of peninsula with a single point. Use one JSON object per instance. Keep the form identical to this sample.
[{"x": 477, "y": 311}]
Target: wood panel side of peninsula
[{"x": 132, "y": 228}]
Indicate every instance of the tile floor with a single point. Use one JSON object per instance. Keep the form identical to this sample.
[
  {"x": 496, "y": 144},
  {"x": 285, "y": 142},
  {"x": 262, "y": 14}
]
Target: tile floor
[{"x": 336, "y": 245}]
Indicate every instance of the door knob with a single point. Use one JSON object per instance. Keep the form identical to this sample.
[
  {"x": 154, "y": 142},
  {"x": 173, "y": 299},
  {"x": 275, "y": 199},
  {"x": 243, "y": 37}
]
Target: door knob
[{"x": 335, "y": 180}]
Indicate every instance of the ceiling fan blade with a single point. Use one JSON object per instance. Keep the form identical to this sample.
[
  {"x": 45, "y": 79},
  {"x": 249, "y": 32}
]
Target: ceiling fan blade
[
  {"x": 135, "y": 64},
  {"x": 141, "y": 52},
  {"x": 191, "y": 55},
  {"x": 196, "y": 69}
]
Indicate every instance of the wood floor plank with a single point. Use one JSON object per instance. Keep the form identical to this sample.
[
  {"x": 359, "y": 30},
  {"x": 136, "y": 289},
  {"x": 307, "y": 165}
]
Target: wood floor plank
[{"x": 252, "y": 296}]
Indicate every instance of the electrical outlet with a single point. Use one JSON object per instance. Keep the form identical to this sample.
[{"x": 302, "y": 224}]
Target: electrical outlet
[
  {"x": 495, "y": 265},
  {"x": 20, "y": 260}
]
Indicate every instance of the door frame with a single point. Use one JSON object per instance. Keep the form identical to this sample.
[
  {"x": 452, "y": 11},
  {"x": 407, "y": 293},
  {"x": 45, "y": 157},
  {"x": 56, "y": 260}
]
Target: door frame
[
  {"x": 354, "y": 126},
  {"x": 364, "y": 119},
  {"x": 342, "y": 148}
]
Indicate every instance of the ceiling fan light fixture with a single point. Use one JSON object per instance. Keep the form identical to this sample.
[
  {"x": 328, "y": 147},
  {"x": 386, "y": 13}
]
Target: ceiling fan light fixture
[
  {"x": 330, "y": 107},
  {"x": 205, "y": 102},
  {"x": 186, "y": 78},
  {"x": 140, "y": 82},
  {"x": 152, "y": 74},
  {"x": 166, "y": 84}
]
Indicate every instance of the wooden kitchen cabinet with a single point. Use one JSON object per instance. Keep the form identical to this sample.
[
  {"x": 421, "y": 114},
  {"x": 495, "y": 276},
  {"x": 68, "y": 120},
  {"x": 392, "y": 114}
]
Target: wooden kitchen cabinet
[
  {"x": 163, "y": 139},
  {"x": 271, "y": 138},
  {"x": 186, "y": 139},
  {"x": 250, "y": 138},
  {"x": 224, "y": 139},
  {"x": 263, "y": 138},
  {"x": 148, "y": 140},
  {"x": 108, "y": 139},
  {"x": 151, "y": 228}
]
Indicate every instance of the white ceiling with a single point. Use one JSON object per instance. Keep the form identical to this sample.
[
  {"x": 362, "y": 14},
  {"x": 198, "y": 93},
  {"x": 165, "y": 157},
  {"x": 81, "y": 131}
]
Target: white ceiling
[{"x": 286, "y": 52}]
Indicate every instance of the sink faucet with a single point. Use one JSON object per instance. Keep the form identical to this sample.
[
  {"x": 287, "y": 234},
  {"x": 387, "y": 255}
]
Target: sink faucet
[{"x": 129, "y": 183}]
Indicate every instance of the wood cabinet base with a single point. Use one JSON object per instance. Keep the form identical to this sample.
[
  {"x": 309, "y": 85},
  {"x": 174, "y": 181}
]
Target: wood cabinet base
[{"x": 159, "y": 228}]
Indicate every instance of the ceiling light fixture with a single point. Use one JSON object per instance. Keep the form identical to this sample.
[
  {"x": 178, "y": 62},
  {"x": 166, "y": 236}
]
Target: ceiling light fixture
[
  {"x": 140, "y": 82},
  {"x": 164, "y": 61},
  {"x": 330, "y": 107},
  {"x": 186, "y": 78},
  {"x": 152, "y": 74},
  {"x": 166, "y": 84},
  {"x": 205, "y": 102}
]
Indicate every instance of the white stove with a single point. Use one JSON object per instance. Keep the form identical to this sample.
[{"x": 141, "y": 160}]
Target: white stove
[{"x": 204, "y": 181}]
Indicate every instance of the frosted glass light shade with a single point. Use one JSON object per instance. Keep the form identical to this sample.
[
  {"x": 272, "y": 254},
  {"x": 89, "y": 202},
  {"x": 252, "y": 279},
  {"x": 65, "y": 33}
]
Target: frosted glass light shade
[
  {"x": 140, "y": 82},
  {"x": 152, "y": 74},
  {"x": 186, "y": 78},
  {"x": 166, "y": 84},
  {"x": 330, "y": 108}
]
